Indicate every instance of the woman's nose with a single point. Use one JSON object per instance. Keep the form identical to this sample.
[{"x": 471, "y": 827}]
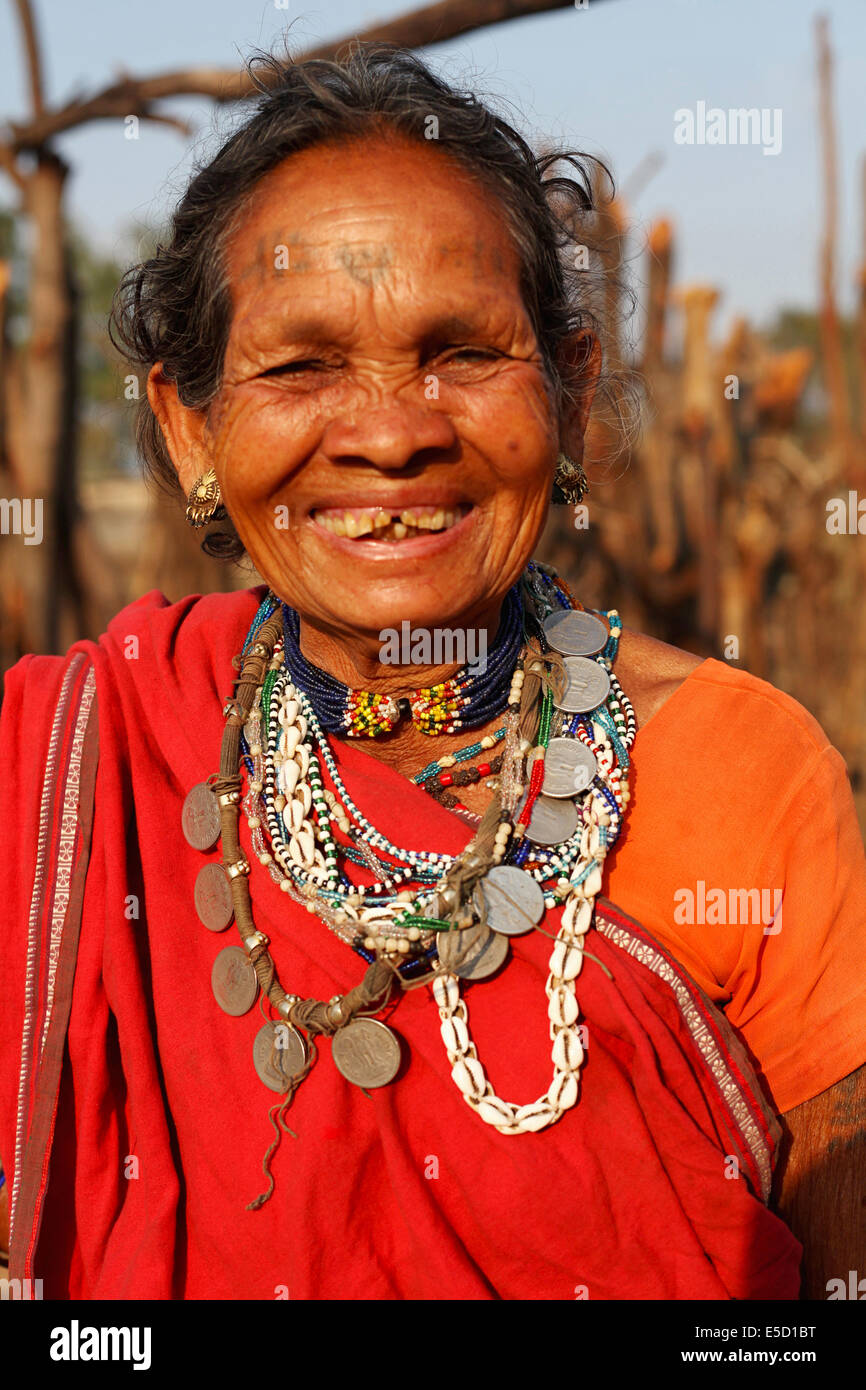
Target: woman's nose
[{"x": 388, "y": 435}]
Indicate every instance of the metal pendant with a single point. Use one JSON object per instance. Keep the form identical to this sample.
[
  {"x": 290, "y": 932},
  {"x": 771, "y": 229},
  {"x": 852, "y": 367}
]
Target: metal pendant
[
  {"x": 213, "y": 897},
  {"x": 234, "y": 981},
  {"x": 366, "y": 1052},
  {"x": 279, "y": 1054},
  {"x": 573, "y": 633},
  {"x": 553, "y": 821},
  {"x": 483, "y": 951},
  {"x": 514, "y": 901},
  {"x": 200, "y": 818},
  {"x": 569, "y": 767},
  {"x": 587, "y": 687}
]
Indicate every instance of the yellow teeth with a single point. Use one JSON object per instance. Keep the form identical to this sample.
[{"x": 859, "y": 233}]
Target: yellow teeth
[
  {"x": 358, "y": 525},
  {"x": 382, "y": 525}
]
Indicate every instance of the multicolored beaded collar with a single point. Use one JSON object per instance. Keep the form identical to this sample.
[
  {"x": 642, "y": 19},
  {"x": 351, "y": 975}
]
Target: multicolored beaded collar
[{"x": 466, "y": 701}]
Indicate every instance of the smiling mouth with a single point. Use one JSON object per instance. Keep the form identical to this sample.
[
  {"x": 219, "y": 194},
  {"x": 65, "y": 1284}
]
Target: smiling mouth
[{"x": 380, "y": 524}]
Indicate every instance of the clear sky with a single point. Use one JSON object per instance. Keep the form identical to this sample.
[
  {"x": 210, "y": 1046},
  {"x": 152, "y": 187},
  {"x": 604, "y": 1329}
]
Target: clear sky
[{"x": 607, "y": 79}]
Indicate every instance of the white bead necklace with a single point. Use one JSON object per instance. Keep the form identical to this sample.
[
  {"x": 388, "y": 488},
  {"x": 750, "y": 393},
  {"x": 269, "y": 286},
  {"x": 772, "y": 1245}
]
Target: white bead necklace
[{"x": 301, "y": 855}]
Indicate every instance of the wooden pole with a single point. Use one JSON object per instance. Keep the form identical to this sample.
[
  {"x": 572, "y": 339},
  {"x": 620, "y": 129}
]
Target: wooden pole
[
  {"x": 697, "y": 466},
  {"x": 861, "y": 311},
  {"x": 656, "y": 451},
  {"x": 43, "y": 396},
  {"x": 831, "y": 337}
]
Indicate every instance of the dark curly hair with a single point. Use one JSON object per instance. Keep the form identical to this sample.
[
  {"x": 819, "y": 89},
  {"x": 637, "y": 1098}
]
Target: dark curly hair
[{"x": 175, "y": 307}]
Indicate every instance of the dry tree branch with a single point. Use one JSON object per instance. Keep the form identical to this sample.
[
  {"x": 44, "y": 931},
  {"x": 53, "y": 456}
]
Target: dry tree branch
[
  {"x": 166, "y": 118},
  {"x": 27, "y": 21},
  {"x": 435, "y": 23}
]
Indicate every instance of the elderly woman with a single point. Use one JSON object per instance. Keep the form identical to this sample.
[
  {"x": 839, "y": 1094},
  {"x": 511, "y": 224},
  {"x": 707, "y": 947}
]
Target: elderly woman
[{"x": 477, "y": 1033}]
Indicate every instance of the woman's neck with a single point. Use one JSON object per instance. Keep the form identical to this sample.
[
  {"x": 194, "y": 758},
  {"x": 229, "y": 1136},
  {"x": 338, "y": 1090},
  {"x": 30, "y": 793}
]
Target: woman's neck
[
  {"x": 366, "y": 661},
  {"x": 356, "y": 663}
]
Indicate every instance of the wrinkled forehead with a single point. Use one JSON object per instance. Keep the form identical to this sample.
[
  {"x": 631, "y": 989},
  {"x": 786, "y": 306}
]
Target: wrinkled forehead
[{"x": 376, "y": 210}]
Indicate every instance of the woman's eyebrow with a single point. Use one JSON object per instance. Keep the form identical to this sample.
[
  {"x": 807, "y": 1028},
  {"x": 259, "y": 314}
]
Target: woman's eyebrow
[
  {"x": 285, "y": 327},
  {"x": 450, "y": 326}
]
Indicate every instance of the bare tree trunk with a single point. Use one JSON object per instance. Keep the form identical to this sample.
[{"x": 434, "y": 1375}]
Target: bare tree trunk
[
  {"x": 697, "y": 466},
  {"x": 861, "y": 311},
  {"x": 660, "y": 247},
  {"x": 656, "y": 453},
  {"x": 610, "y": 221},
  {"x": 43, "y": 396},
  {"x": 831, "y": 338},
  {"x": 74, "y": 604}
]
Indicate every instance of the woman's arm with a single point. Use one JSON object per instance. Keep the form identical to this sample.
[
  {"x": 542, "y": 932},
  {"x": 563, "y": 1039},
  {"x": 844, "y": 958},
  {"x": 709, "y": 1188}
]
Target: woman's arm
[{"x": 820, "y": 1187}]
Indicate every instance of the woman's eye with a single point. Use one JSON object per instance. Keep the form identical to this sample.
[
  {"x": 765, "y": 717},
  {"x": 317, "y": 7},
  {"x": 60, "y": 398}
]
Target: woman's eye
[
  {"x": 468, "y": 354},
  {"x": 316, "y": 364},
  {"x": 305, "y": 364}
]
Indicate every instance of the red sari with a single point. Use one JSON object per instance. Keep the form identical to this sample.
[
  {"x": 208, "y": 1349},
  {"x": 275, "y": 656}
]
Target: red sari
[{"x": 132, "y": 1123}]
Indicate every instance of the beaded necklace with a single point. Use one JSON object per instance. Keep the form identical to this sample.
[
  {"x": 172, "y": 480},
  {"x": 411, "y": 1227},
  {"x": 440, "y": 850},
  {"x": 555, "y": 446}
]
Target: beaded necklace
[
  {"x": 437, "y": 787},
  {"x": 435, "y": 769},
  {"x": 463, "y": 701},
  {"x": 425, "y": 917}
]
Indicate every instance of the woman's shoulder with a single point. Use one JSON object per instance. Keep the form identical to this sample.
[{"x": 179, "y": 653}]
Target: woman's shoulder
[
  {"x": 157, "y": 659},
  {"x": 651, "y": 671},
  {"x": 153, "y": 625},
  {"x": 163, "y": 618},
  {"x": 656, "y": 675}
]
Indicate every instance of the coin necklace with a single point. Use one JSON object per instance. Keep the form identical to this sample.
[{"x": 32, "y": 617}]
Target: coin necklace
[
  {"x": 316, "y": 872},
  {"x": 479, "y": 899}
]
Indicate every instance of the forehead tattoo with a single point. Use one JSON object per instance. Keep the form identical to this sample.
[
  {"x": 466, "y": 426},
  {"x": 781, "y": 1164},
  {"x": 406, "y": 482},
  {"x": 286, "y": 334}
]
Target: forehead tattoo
[
  {"x": 276, "y": 252},
  {"x": 366, "y": 262},
  {"x": 280, "y": 250}
]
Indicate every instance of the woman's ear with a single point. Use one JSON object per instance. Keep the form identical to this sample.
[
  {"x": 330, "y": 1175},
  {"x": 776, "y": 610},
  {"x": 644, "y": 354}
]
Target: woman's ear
[
  {"x": 583, "y": 356},
  {"x": 183, "y": 428}
]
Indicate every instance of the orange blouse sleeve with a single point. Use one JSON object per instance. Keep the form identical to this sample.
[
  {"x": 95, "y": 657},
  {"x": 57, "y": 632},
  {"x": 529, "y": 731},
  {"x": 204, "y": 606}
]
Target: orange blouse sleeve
[{"x": 802, "y": 1005}]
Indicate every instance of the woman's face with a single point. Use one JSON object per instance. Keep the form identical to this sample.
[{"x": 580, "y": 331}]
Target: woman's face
[{"x": 385, "y": 434}]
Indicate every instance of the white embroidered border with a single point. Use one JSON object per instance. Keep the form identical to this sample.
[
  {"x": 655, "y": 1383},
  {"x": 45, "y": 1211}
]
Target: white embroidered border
[
  {"x": 705, "y": 1039},
  {"x": 36, "y": 898},
  {"x": 66, "y": 845}
]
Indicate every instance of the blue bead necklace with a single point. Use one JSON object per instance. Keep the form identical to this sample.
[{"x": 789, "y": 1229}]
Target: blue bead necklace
[{"x": 466, "y": 700}]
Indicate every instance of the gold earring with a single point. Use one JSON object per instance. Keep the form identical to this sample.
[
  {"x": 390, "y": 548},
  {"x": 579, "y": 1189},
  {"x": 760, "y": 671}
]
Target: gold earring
[
  {"x": 204, "y": 502},
  {"x": 570, "y": 483}
]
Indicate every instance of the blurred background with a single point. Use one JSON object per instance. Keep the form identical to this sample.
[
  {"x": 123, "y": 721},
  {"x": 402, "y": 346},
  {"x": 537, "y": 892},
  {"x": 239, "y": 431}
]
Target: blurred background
[{"x": 731, "y": 522}]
